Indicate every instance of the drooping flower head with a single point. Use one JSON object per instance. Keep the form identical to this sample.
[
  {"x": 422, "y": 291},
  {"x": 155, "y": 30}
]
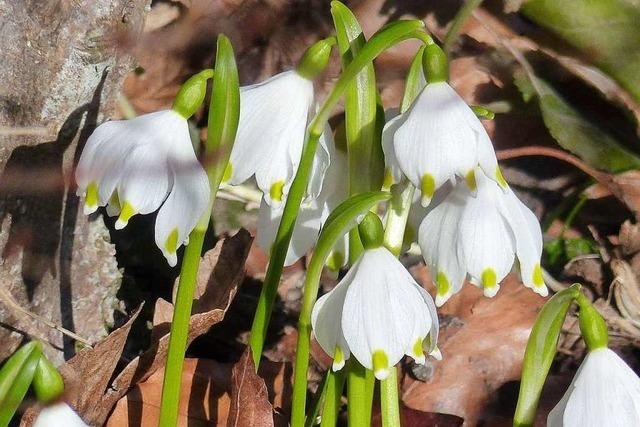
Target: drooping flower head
[
  {"x": 141, "y": 165},
  {"x": 480, "y": 236},
  {"x": 273, "y": 119},
  {"x": 438, "y": 138},
  {"x": 377, "y": 313}
]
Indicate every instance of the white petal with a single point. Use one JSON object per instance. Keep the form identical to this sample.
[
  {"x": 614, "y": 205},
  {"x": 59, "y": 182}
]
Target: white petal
[
  {"x": 381, "y": 309},
  {"x": 485, "y": 152},
  {"x": 326, "y": 319},
  {"x": 435, "y": 139},
  {"x": 271, "y": 130},
  {"x": 321, "y": 163},
  {"x": 604, "y": 392},
  {"x": 184, "y": 206},
  {"x": 485, "y": 247},
  {"x": 58, "y": 415},
  {"x": 527, "y": 235},
  {"x": 305, "y": 231},
  {"x": 439, "y": 237},
  {"x": 393, "y": 173}
]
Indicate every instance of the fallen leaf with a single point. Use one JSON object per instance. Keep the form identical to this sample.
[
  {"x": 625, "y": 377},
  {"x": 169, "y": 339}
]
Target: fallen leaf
[
  {"x": 87, "y": 374},
  {"x": 250, "y": 405},
  {"x": 625, "y": 186},
  {"x": 205, "y": 397},
  {"x": 221, "y": 272},
  {"x": 414, "y": 418},
  {"x": 482, "y": 342}
]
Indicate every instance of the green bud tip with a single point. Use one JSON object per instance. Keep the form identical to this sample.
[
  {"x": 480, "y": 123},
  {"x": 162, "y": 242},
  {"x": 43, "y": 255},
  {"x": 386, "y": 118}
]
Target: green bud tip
[
  {"x": 435, "y": 64},
  {"x": 592, "y": 326},
  {"x": 47, "y": 381},
  {"x": 191, "y": 94},
  {"x": 316, "y": 58},
  {"x": 371, "y": 231}
]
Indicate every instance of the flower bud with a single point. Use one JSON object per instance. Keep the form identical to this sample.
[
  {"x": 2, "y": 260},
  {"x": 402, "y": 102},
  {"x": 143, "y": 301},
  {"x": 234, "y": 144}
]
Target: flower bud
[
  {"x": 47, "y": 381},
  {"x": 191, "y": 94},
  {"x": 371, "y": 231},
  {"x": 592, "y": 325},
  {"x": 435, "y": 64},
  {"x": 316, "y": 58}
]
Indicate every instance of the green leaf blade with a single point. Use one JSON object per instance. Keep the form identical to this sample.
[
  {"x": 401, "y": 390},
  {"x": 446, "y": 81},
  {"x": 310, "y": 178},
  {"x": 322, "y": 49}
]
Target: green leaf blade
[{"x": 15, "y": 378}]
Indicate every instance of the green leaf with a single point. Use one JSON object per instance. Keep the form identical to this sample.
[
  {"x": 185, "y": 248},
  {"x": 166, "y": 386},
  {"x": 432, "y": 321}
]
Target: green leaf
[
  {"x": 605, "y": 31},
  {"x": 573, "y": 131},
  {"x": 540, "y": 352},
  {"x": 364, "y": 115},
  {"x": 15, "y": 378},
  {"x": 224, "y": 112},
  {"x": 47, "y": 381},
  {"x": 415, "y": 81}
]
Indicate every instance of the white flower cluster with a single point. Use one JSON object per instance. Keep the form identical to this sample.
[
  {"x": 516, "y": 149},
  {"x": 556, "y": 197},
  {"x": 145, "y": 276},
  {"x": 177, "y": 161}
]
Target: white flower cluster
[{"x": 474, "y": 224}]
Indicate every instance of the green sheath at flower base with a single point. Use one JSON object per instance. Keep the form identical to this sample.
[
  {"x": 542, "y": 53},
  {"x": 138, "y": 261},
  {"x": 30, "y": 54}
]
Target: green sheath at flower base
[
  {"x": 435, "y": 63},
  {"x": 191, "y": 94},
  {"x": 47, "y": 381},
  {"x": 540, "y": 352},
  {"x": 371, "y": 231},
  {"x": 592, "y": 326},
  {"x": 316, "y": 58}
]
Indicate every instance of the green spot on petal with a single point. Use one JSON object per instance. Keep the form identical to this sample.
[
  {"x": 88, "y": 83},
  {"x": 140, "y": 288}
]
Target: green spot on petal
[
  {"x": 500, "y": 178},
  {"x": 489, "y": 279},
  {"x": 91, "y": 198},
  {"x": 428, "y": 186},
  {"x": 228, "y": 171},
  {"x": 417, "y": 348},
  {"x": 470, "y": 179},
  {"x": 126, "y": 213},
  {"x": 338, "y": 357},
  {"x": 387, "y": 182},
  {"x": 276, "y": 190},
  {"x": 335, "y": 260},
  {"x": 443, "y": 284},
  {"x": 171, "y": 244},
  {"x": 538, "y": 280},
  {"x": 380, "y": 361}
]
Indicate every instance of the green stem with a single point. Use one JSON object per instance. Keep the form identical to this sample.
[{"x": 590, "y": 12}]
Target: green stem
[
  {"x": 180, "y": 329},
  {"x": 385, "y": 38},
  {"x": 389, "y": 401},
  {"x": 333, "y": 398},
  {"x": 360, "y": 384},
  {"x": 465, "y": 11}
]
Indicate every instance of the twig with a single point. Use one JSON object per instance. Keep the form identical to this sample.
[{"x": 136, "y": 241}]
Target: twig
[
  {"x": 10, "y": 302},
  {"x": 24, "y": 131}
]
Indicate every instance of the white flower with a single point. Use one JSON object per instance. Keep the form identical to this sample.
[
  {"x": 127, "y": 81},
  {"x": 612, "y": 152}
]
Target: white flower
[
  {"x": 604, "y": 392},
  {"x": 140, "y": 165},
  {"x": 481, "y": 236},
  {"x": 325, "y": 191},
  {"x": 271, "y": 131},
  {"x": 378, "y": 313},
  {"x": 438, "y": 138},
  {"x": 58, "y": 415}
]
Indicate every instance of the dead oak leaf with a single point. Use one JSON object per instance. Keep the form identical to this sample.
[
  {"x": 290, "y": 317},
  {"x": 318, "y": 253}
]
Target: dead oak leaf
[{"x": 250, "y": 405}]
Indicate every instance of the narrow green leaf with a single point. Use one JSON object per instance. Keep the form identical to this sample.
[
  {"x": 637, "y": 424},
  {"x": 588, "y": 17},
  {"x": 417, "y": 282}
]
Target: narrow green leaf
[
  {"x": 605, "y": 31},
  {"x": 540, "y": 352},
  {"x": 363, "y": 130},
  {"x": 415, "y": 81},
  {"x": 224, "y": 112},
  {"x": 15, "y": 378},
  {"x": 573, "y": 131}
]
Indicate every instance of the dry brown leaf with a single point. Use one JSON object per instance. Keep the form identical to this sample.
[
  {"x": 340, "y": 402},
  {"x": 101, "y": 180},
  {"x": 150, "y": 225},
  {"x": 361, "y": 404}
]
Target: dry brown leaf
[
  {"x": 87, "y": 374},
  {"x": 414, "y": 418},
  {"x": 250, "y": 405},
  {"x": 205, "y": 397},
  {"x": 624, "y": 186},
  {"x": 222, "y": 270},
  {"x": 482, "y": 343},
  {"x": 629, "y": 238}
]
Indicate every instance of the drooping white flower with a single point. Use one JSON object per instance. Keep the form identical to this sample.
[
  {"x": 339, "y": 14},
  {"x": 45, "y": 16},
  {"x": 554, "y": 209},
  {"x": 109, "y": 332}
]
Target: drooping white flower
[
  {"x": 604, "y": 392},
  {"x": 437, "y": 138},
  {"x": 326, "y": 189},
  {"x": 271, "y": 131},
  {"x": 137, "y": 166},
  {"x": 481, "y": 236},
  {"x": 378, "y": 313},
  {"x": 58, "y": 415}
]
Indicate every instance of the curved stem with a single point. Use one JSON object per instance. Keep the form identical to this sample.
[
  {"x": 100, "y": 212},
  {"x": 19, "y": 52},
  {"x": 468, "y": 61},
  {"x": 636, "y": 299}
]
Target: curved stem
[
  {"x": 379, "y": 42},
  {"x": 465, "y": 11}
]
